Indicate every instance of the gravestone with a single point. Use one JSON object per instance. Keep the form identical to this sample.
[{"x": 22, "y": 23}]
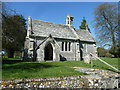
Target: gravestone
[{"x": 87, "y": 59}]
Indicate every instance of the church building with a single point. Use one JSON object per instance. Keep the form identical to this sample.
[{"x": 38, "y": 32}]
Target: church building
[{"x": 47, "y": 41}]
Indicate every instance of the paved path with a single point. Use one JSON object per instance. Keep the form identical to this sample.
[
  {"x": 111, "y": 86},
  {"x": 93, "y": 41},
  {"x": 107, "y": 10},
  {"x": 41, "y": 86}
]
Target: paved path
[
  {"x": 100, "y": 78},
  {"x": 98, "y": 72}
]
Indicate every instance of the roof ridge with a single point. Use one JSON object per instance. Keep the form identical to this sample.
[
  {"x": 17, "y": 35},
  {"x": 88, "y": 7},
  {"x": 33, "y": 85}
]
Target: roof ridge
[
  {"x": 82, "y": 29},
  {"x": 50, "y": 22},
  {"x": 75, "y": 33}
]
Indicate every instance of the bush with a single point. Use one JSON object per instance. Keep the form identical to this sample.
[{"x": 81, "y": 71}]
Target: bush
[
  {"x": 101, "y": 52},
  {"x": 109, "y": 55}
]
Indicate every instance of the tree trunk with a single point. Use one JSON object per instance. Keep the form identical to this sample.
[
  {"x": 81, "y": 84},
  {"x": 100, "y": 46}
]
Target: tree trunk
[
  {"x": 10, "y": 54},
  {"x": 114, "y": 44},
  {"x": 113, "y": 38}
]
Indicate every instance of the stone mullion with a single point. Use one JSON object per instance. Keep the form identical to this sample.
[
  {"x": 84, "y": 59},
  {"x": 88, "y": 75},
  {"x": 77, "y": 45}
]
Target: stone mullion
[
  {"x": 68, "y": 46},
  {"x": 64, "y": 46}
]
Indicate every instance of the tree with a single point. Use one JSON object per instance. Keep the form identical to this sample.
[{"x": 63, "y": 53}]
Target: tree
[
  {"x": 14, "y": 31},
  {"x": 115, "y": 51},
  {"x": 106, "y": 25},
  {"x": 84, "y": 24},
  {"x": 101, "y": 52}
]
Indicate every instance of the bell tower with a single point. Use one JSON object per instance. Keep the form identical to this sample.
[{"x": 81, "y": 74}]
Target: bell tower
[{"x": 69, "y": 20}]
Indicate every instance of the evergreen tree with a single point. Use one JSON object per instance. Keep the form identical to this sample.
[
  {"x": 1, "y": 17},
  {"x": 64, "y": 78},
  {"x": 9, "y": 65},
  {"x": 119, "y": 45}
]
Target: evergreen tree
[{"x": 84, "y": 24}]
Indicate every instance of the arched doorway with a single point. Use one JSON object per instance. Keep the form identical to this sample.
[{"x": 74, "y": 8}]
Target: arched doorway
[{"x": 48, "y": 52}]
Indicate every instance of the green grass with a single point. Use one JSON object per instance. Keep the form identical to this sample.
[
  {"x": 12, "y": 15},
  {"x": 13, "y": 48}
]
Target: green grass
[
  {"x": 112, "y": 61},
  {"x": 11, "y": 59},
  {"x": 42, "y": 69},
  {"x": 14, "y": 69}
]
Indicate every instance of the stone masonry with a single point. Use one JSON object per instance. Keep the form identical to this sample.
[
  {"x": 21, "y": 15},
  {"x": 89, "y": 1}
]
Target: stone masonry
[{"x": 46, "y": 41}]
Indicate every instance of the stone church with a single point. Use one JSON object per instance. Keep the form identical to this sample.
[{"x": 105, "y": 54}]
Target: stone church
[{"x": 47, "y": 41}]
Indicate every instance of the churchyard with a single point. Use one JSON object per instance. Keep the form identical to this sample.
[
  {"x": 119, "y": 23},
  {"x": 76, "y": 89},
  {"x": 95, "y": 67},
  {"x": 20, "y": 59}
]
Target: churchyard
[
  {"x": 16, "y": 69},
  {"x": 62, "y": 74}
]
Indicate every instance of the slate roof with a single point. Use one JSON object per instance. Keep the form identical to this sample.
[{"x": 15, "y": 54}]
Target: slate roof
[
  {"x": 44, "y": 29},
  {"x": 85, "y": 35}
]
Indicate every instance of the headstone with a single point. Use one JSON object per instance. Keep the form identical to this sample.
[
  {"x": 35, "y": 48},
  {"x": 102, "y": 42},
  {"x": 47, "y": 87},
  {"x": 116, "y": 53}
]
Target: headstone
[{"x": 87, "y": 59}]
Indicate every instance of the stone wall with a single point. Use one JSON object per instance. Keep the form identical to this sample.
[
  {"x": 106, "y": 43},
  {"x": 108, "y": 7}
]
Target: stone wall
[
  {"x": 79, "y": 50},
  {"x": 58, "y": 54},
  {"x": 62, "y": 82},
  {"x": 87, "y": 48},
  {"x": 73, "y": 54}
]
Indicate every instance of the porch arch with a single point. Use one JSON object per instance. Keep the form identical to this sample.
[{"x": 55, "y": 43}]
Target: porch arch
[{"x": 48, "y": 52}]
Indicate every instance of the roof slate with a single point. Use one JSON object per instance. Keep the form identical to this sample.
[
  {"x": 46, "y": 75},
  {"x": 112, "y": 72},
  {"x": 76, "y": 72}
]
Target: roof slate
[
  {"x": 42, "y": 28},
  {"x": 85, "y": 35}
]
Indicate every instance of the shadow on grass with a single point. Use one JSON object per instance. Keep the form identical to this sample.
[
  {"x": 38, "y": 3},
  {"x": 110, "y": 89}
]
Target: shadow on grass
[
  {"x": 18, "y": 64},
  {"x": 11, "y": 61}
]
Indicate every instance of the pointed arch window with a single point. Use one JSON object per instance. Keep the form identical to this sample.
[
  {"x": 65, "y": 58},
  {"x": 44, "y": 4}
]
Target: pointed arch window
[
  {"x": 66, "y": 46},
  {"x": 69, "y": 46},
  {"x": 62, "y": 46}
]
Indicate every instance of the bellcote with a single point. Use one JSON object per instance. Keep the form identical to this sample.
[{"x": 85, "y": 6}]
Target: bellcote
[{"x": 69, "y": 20}]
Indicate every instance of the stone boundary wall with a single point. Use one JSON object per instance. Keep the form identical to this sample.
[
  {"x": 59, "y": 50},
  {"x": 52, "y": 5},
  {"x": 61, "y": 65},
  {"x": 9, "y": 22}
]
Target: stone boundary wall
[{"x": 81, "y": 81}]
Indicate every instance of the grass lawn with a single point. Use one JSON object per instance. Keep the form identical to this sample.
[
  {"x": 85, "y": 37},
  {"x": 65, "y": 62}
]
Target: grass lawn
[
  {"x": 14, "y": 69},
  {"x": 112, "y": 61},
  {"x": 11, "y": 59}
]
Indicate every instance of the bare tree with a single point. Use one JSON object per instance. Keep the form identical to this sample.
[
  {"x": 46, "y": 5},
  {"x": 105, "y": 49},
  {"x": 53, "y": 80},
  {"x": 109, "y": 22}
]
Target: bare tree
[
  {"x": 106, "y": 24},
  {"x": 13, "y": 31}
]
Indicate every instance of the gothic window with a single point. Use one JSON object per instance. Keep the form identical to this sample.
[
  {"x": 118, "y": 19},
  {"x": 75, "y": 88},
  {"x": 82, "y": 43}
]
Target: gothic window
[
  {"x": 62, "y": 46},
  {"x": 69, "y": 46},
  {"x": 65, "y": 46}
]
